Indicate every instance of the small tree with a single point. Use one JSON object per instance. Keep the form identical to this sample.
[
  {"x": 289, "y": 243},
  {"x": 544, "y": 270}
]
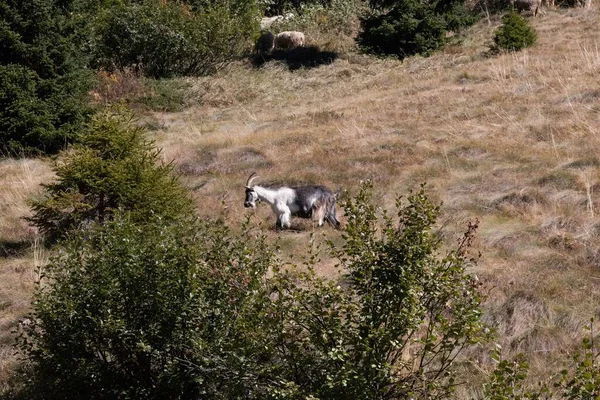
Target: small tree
[
  {"x": 43, "y": 83},
  {"x": 514, "y": 34},
  {"x": 113, "y": 167}
]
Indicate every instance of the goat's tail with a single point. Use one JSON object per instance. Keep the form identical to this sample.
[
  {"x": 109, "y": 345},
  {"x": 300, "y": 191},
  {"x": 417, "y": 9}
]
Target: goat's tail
[{"x": 330, "y": 210}]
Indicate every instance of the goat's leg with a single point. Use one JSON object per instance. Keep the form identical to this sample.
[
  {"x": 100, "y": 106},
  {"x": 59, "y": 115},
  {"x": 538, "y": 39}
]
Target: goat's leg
[
  {"x": 285, "y": 219},
  {"x": 283, "y": 215},
  {"x": 318, "y": 214},
  {"x": 331, "y": 217}
]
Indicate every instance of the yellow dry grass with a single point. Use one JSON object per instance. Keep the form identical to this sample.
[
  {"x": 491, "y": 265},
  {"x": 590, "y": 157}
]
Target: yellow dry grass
[
  {"x": 511, "y": 140},
  {"x": 20, "y": 254}
]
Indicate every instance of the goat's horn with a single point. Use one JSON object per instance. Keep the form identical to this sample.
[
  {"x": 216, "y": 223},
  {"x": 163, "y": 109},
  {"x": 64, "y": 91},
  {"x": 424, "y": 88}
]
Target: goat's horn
[{"x": 251, "y": 178}]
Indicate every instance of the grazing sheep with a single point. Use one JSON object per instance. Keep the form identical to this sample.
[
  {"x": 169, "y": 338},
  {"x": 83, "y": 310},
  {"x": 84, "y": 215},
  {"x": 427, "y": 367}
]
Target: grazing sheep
[
  {"x": 289, "y": 40},
  {"x": 528, "y": 5},
  {"x": 265, "y": 43}
]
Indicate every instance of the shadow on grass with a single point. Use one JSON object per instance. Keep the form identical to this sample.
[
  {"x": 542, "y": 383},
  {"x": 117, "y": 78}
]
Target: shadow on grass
[
  {"x": 13, "y": 249},
  {"x": 300, "y": 57}
]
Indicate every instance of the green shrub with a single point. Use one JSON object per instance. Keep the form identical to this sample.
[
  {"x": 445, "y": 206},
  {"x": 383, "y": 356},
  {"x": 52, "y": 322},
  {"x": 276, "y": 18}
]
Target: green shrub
[
  {"x": 514, "y": 34},
  {"x": 113, "y": 167},
  {"x": 43, "y": 83},
  {"x": 153, "y": 310},
  {"x": 412, "y": 26},
  {"x": 165, "y": 39},
  {"x": 394, "y": 327},
  {"x": 579, "y": 381},
  {"x": 189, "y": 309}
]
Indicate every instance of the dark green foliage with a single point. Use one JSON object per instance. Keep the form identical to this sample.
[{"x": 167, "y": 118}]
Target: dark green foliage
[
  {"x": 113, "y": 167},
  {"x": 514, "y": 34},
  {"x": 280, "y": 7},
  {"x": 159, "y": 310},
  {"x": 43, "y": 83},
  {"x": 413, "y": 26},
  {"x": 164, "y": 39}
]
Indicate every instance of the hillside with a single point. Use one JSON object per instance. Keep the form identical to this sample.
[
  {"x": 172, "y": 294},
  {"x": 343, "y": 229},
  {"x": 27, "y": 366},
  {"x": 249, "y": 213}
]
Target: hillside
[{"x": 510, "y": 140}]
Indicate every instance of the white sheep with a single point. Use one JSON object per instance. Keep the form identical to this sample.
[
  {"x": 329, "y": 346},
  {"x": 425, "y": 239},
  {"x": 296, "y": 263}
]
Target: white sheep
[{"x": 289, "y": 40}]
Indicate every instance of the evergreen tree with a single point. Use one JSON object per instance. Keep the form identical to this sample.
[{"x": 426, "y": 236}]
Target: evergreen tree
[
  {"x": 112, "y": 168},
  {"x": 405, "y": 28},
  {"x": 43, "y": 82},
  {"x": 514, "y": 34}
]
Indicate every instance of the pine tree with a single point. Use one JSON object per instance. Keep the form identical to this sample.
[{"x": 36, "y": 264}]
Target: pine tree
[{"x": 43, "y": 81}]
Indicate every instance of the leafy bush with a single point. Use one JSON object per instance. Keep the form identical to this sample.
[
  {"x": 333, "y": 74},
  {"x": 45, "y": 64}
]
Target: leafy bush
[
  {"x": 43, "y": 82},
  {"x": 146, "y": 311},
  {"x": 514, "y": 34},
  {"x": 395, "y": 326},
  {"x": 507, "y": 379},
  {"x": 412, "y": 26},
  {"x": 113, "y": 167},
  {"x": 164, "y": 39},
  {"x": 580, "y": 381},
  {"x": 189, "y": 309}
]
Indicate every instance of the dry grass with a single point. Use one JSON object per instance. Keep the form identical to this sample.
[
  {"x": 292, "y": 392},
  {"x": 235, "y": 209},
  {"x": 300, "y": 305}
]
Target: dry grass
[
  {"x": 511, "y": 140},
  {"x": 20, "y": 254}
]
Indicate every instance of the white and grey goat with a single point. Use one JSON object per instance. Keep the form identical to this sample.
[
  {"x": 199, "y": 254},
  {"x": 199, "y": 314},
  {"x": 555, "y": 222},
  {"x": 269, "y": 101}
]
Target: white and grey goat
[{"x": 316, "y": 202}]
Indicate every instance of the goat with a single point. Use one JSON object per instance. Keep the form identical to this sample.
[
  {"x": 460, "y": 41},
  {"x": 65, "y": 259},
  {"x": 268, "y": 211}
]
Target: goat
[{"x": 316, "y": 202}]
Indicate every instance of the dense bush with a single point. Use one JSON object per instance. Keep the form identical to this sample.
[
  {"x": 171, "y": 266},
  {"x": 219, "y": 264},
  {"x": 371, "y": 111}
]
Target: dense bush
[
  {"x": 411, "y": 27},
  {"x": 43, "y": 83},
  {"x": 113, "y": 167},
  {"x": 164, "y": 39},
  {"x": 279, "y": 7},
  {"x": 514, "y": 34},
  {"x": 189, "y": 309},
  {"x": 157, "y": 310}
]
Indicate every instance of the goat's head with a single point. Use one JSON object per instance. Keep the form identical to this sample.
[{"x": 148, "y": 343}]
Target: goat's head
[{"x": 251, "y": 196}]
